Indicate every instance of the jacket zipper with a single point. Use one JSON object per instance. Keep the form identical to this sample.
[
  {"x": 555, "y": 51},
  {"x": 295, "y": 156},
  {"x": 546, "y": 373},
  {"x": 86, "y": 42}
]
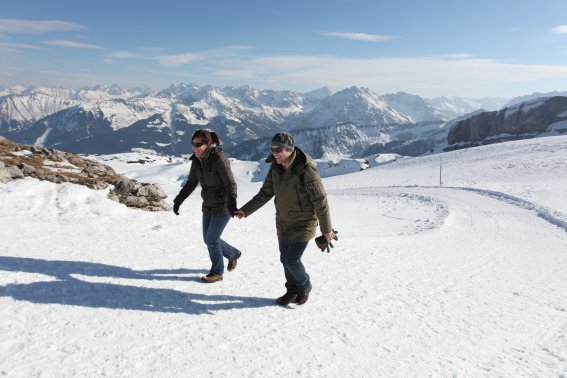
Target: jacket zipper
[{"x": 298, "y": 198}]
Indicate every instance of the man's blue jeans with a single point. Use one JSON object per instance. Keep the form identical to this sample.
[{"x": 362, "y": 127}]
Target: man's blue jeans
[
  {"x": 213, "y": 226},
  {"x": 296, "y": 277}
]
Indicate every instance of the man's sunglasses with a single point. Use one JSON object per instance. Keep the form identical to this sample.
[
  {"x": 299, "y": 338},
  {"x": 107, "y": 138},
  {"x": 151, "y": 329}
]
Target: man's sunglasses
[
  {"x": 198, "y": 144},
  {"x": 277, "y": 150}
]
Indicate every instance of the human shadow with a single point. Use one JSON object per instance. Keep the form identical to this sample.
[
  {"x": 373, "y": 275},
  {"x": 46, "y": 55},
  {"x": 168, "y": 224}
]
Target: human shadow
[{"x": 72, "y": 291}]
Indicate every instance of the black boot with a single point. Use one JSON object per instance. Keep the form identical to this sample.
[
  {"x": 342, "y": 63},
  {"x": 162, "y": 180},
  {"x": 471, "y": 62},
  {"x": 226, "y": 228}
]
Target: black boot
[
  {"x": 286, "y": 299},
  {"x": 303, "y": 295}
]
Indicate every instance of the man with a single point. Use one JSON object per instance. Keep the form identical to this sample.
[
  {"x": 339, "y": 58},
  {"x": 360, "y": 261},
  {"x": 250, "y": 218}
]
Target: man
[{"x": 300, "y": 201}]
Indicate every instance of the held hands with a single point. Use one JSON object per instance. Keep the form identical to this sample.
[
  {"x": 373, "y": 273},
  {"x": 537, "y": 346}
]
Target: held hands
[{"x": 239, "y": 214}]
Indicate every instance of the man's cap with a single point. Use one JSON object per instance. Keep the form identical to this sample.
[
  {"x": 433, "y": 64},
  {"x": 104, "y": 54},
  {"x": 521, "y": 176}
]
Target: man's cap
[{"x": 283, "y": 140}]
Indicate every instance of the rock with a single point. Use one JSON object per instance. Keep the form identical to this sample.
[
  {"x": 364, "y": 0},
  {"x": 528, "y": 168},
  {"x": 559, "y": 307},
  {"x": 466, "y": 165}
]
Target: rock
[
  {"x": 60, "y": 167},
  {"x": 521, "y": 121},
  {"x": 27, "y": 170},
  {"x": 5, "y": 175}
]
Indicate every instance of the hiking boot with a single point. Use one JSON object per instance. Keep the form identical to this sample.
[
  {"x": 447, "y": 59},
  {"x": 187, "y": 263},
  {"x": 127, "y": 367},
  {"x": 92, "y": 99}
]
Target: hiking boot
[
  {"x": 210, "y": 278},
  {"x": 232, "y": 263},
  {"x": 303, "y": 295},
  {"x": 286, "y": 299}
]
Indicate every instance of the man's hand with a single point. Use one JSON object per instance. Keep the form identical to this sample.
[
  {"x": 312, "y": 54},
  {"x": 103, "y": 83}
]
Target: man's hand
[
  {"x": 330, "y": 236},
  {"x": 176, "y": 208},
  {"x": 324, "y": 241},
  {"x": 239, "y": 214}
]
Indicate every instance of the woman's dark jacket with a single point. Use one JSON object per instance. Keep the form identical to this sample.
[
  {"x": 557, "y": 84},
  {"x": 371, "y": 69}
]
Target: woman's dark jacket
[{"x": 218, "y": 188}]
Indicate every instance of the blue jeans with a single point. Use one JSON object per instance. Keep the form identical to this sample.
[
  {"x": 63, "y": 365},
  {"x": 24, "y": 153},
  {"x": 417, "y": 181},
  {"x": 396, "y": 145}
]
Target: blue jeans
[
  {"x": 213, "y": 226},
  {"x": 296, "y": 277}
]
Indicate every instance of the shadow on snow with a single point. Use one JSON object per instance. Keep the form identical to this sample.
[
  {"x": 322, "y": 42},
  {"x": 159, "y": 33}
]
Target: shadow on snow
[{"x": 68, "y": 290}]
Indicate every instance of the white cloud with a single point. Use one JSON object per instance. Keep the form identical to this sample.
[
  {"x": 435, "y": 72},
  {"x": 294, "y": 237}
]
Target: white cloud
[
  {"x": 122, "y": 55},
  {"x": 425, "y": 76},
  {"x": 177, "y": 60},
  {"x": 459, "y": 56},
  {"x": 235, "y": 74},
  {"x": 72, "y": 44},
  {"x": 18, "y": 46},
  {"x": 36, "y": 27},
  {"x": 212, "y": 56},
  {"x": 561, "y": 29},
  {"x": 361, "y": 36}
]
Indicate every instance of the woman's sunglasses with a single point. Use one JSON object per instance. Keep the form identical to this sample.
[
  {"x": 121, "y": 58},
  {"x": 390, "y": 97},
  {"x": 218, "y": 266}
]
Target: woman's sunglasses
[
  {"x": 198, "y": 144},
  {"x": 277, "y": 150}
]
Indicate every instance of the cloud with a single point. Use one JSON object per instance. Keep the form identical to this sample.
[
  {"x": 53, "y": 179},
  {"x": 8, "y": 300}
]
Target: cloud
[
  {"x": 177, "y": 60},
  {"x": 459, "y": 56},
  {"x": 122, "y": 55},
  {"x": 15, "y": 26},
  {"x": 17, "y": 46},
  {"x": 72, "y": 44},
  {"x": 361, "y": 36},
  {"x": 235, "y": 74},
  {"x": 211, "y": 56},
  {"x": 561, "y": 29},
  {"x": 425, "y": 76}
]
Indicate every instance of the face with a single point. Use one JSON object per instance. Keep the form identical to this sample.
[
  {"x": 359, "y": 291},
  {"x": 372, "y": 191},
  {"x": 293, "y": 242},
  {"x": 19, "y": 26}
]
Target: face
[
  {"x": 282, "y": 155},
  {"x": 199, "y": 147}
]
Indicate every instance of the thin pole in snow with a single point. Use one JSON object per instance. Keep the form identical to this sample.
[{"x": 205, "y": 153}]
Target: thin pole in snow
[{"x": 440, "y": 168}]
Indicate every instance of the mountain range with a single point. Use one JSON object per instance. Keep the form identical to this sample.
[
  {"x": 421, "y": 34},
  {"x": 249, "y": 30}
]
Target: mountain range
[{"x": 352, "y": 122}]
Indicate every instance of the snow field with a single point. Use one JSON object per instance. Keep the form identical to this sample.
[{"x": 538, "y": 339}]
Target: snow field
[{"x": 424, "y": 280}]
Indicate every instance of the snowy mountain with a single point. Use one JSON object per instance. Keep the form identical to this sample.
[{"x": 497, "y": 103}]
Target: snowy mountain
[
  {"x": 534, "y": 96},
  {"x": 351, "y": 122},
  {"x": 540, "y": 117},
  {"x": 347, "y": 139},
  {"x": 462, "y": 279},
  {"x": 454, "y": 107},
  {"x": 415, "y": 107},
  {"x": 354, "y": 105}
]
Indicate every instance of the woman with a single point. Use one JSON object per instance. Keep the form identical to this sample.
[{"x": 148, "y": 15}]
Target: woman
[{"x": 211, "y": 169}]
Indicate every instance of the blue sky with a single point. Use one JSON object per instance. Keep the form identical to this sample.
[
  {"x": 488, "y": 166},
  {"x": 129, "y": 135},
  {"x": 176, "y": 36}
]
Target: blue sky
[{"x": 436, "y": 48}]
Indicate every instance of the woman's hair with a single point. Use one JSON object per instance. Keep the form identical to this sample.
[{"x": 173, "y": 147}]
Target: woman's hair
[{"x": 207, "y": 136}]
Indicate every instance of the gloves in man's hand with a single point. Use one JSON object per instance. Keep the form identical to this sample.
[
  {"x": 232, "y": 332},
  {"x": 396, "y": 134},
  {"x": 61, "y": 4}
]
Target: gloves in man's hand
[
  {"x": 323, "y": 244},
  {"x": 176, "y": 208}
]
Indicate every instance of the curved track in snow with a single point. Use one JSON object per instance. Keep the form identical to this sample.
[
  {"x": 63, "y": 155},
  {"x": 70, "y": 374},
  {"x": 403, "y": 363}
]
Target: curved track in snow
[
  {"x": 481, "y": 292},
  {"x": 423, "y": 281}
]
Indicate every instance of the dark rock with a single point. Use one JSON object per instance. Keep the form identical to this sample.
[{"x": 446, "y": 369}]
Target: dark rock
[{"x": 20, "y": 160}]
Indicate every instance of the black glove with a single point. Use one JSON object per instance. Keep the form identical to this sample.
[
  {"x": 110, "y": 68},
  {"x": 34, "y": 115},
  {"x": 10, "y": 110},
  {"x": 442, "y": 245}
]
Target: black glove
[
  {"x": 176, "y": 208},
  {"x": 323, "y": 244}
]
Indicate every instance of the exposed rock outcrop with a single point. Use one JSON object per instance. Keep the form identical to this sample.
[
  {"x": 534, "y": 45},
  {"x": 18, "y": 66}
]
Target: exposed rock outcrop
[
  {"x": 21, "y": 160},
  {"x": 522, "y": 121}
]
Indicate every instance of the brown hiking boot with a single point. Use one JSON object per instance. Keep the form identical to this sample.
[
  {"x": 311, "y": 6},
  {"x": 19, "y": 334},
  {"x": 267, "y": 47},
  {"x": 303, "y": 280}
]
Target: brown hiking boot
[
  {"x": 210, "y": 278},
  {"x": 303, "y": 295},
  {"x": 286, "y": 299},
  {"x": 232, "y": 263}
]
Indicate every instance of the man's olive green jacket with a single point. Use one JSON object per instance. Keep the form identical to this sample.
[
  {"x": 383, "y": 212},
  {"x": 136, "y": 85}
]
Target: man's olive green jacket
[{"x": 300, "y": 199}]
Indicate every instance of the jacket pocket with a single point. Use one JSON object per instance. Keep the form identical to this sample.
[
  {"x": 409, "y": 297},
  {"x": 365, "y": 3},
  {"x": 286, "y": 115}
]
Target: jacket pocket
[{"x": 315, "y": 190}]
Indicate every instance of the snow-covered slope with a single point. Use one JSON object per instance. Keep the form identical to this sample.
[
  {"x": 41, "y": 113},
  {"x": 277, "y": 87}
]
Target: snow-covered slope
[{"x": 463, "y": 279}]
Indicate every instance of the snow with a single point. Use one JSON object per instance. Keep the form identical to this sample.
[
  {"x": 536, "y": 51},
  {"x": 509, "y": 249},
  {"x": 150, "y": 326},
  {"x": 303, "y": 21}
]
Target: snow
[{"x": 463, "y": 279}]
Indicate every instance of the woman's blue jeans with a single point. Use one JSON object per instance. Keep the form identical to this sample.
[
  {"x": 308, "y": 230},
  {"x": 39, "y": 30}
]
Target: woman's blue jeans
[
  {"x": 296, "y": 277},
  {"x": 213, "y": 226}
]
